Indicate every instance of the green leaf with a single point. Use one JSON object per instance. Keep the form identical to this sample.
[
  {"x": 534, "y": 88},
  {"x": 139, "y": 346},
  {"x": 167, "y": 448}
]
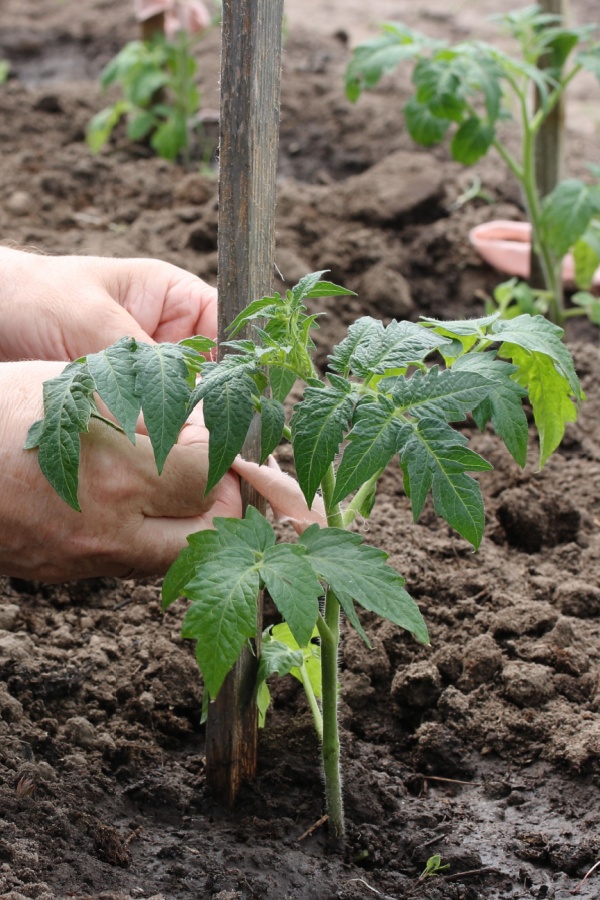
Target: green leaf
[
  {"x": 356, "y": 571},
  {"x": 223, "y": 614},
  {"x": 371, "y": 349},
  {"x": 318, "y": 425},
  {"x": 538, "y": 335},
  {"x": 272, "y": 418},
  {"x": 68, "y": 406},
  {"x": 281, "y": 381},
  {"x": 461, "y": 327},
  {"x": 140, "y": 124},
  {"x": 482, "y": 73},
  {"x": 227, "y": 389},
  {"x": 254, "y": 310},
  {"x": 253, "y": 531},
  {"x": 436, "y": 457},
  {"x": 162, "y": 383},
  {"x": 327, "y": 289},
  {"x": 146, "y": 85},
  {"x": 34, "y": 435},
  {"x": 103, "y": 124},
  {"x": 472, "y": 141},
  {"x": 550, "y": 395},
  {"x": 377, "y": 434},
  {"x": 503, "y": 405},
  {"x": 372, "y": 59},
  {"x": 202, "y": 547},
  {"x": 301, "y": 290},
  {"x": 263, "y": 702},
  {"x": 198, "y": 343},
  {"x": 566, "y": 214},
  {"x": 360, "y": 334},
  {"x": 293, "y": 587},
  {"x": 448, "y": 394},
  {"x": 589, "y": 302},
  {"x": 439, "y": 88},
  {"x": 424, "y": 128},
  {"x": 586, "y": 254},
  {"x": 277, "y": 659},
  {"x": 171, "y": 137},
  {"x": 590, "y": 60},
  {"x": 311, "y": 655},
  {"x": 115, "y": 377}
]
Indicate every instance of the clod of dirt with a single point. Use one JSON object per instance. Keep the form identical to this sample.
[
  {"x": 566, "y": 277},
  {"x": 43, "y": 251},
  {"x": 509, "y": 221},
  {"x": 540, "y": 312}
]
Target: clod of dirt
[
  {"x": 15, "y": 646},
  {"x": 10, "y": 708},
  {"x": 438, "y": 751},
  {"x": 110, "y": 846},
  {"x": 531, "y": 522},
  {"x": 523, "y": 618},
  {"x": 528, "y": 684},
  {"x": 400, "y": 184},
  {"x": 578, "y": 598},
  {"x": 357, "y": 689},
  {"x": 417, "y": 686},
  {"x": 9, "y": 614},
  {"x": 388, "y": 291},
  {"x": 482, "y": 662}
]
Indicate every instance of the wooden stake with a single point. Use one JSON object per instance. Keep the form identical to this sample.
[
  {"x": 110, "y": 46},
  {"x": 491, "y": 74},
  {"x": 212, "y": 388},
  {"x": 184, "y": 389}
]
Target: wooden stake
[
  {"x": 149, "y": 28},
  {"x": 549, "y": 147},
  {"x": 249, "y": 139}
]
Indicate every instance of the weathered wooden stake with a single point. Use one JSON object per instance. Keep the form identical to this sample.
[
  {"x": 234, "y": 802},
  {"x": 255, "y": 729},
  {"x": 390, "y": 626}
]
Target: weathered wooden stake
[
  {"x": 549, "y": 147},
  {"x": 249, "y": 138}
]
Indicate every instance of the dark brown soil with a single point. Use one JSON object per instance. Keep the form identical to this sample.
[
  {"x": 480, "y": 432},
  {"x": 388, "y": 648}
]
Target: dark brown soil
[{"x": 485, "y": 747}]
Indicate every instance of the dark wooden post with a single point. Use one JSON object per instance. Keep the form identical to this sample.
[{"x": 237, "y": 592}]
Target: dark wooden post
[
  {"x": 149, "y": 28},
  {"x": 549, "y": 147},
  {"x": 249, "y": 139}
]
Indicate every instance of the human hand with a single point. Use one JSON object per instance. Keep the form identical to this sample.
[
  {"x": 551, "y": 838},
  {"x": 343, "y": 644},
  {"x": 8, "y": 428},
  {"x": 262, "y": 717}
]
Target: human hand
[
  {"x": 63, "y": 307},
  {"x": 133, "y": 521}
]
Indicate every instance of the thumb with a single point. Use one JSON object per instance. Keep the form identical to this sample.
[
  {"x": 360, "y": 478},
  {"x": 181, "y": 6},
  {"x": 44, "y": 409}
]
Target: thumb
[{"x": 110, "y": 323}]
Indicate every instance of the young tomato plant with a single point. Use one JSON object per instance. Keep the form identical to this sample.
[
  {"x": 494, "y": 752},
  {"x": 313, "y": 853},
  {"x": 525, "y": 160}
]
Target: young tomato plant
[
  {"x": 379, "y": 401},
  {"x": 159, "y": 96},
  {"x": 468, "y": 91}
]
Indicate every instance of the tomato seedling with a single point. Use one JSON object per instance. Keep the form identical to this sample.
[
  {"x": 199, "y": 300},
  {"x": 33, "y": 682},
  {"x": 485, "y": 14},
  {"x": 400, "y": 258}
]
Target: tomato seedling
[
  {"x": 468, "y": 91},
  {"x": 379, "y": 401},
  {"x": 159, "y": 101}
]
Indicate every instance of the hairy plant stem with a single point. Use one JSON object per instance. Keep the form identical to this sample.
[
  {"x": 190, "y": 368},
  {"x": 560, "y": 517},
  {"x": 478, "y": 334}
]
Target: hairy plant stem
[
  {"x": 525, "y": 173},
  {"x": 550, "y": 266},
  {"x": 329, "y": 632},
  {"x": 312, "y": 701}
]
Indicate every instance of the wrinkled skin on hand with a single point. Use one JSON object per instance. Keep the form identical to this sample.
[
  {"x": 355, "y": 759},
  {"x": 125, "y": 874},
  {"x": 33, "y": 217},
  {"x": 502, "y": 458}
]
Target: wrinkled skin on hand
[{"x": 62, "y": 307}]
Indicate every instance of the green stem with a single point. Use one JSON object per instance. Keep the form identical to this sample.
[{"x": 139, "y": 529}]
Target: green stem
[
  {"x": 97, "y": 415},
  {"x": 550, "y": 266},
  {"x": 331, "y": 736},
  {"x": 312, "y": 701},
  {"x": 543, "y": 112},
  {"x": 354, "y": 507},
  {"x": 330, "y": 640},
  {"x": 574, "y": 311}
]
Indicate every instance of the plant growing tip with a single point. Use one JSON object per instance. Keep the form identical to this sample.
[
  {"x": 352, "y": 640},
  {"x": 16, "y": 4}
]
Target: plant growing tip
[
  {"x": 380, "y": 401},
  {"x": 467, "y": 91}
]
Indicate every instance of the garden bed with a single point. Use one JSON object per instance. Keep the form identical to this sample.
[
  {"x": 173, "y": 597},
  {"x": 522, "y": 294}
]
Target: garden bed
[{"x": 483, "y": 748}]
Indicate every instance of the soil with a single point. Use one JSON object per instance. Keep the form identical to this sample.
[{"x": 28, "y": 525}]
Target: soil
[{"x": 483, "y": 748}]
